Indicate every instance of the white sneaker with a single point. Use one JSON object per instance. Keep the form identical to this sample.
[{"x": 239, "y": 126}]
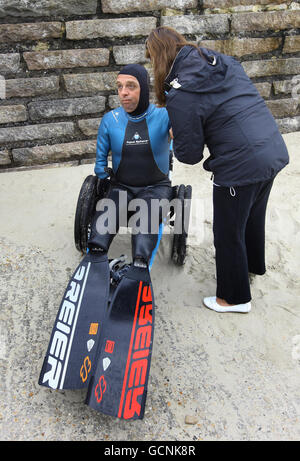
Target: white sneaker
[{"x": 211, "y": 303}]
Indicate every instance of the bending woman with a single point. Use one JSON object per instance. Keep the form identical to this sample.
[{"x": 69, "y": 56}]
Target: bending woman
[{"x": 211, "y": 101}]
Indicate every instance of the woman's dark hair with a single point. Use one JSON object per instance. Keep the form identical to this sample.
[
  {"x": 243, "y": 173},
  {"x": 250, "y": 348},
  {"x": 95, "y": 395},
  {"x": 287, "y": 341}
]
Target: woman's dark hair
[{"x": 162, "y": 46}]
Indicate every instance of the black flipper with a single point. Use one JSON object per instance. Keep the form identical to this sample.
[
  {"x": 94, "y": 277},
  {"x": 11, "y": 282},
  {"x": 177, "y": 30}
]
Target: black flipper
[
  {"x": 119, "y": 384},
  {"x": 72, "y": 349}
]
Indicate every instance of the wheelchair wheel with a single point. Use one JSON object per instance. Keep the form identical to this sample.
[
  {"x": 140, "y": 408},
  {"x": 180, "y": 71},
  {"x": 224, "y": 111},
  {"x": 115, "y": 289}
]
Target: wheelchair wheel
[
  {"x": 170, "y": 217},
  {"x": 91, "y": 191},
  {"x": 181, "y": 224},
  {"x": 85, "y": 207}
]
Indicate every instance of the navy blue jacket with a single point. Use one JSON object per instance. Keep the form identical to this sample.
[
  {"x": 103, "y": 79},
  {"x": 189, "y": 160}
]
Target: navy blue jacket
[
  {"x": 211, "y": 101},
  {"x": 139, "y": 146}
]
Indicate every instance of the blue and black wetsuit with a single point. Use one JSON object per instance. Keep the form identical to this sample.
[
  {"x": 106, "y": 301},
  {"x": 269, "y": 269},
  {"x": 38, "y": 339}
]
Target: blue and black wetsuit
[
  {"x": 139, "y": 146},
  {"x": 140, "y": 161}
]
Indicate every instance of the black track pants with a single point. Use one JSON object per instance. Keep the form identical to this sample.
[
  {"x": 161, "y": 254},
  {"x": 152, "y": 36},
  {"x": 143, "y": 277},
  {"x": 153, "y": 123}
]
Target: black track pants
[{"x": 239, "y": 238}]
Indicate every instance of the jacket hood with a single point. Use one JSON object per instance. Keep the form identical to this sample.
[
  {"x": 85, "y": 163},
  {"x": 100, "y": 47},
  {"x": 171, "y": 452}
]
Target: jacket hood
[{"x": 194, "y": 73}]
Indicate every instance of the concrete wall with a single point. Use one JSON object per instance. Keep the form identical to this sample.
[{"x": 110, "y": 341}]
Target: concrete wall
[{"x": 59, "y": 60}]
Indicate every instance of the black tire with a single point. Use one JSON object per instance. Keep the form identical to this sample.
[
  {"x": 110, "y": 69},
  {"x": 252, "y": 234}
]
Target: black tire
[
  {"x": 170, "y": 217},
  {"x": 178, "y": 212},
  {"x": 84, "y": 211},
  {"x": 182, "y": 244},
  {"x": 180, "y": 240}
]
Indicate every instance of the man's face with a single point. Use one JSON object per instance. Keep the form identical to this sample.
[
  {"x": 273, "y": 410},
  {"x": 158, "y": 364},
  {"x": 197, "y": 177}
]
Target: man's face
[{"x": 129, "y": 92}]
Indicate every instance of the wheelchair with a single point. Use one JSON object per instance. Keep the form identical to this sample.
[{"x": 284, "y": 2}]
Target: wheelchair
[{"x": 94, "y": 189}]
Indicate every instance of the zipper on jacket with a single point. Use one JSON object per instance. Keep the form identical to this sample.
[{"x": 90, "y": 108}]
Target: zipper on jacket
[{"x": 173, "y": 63}]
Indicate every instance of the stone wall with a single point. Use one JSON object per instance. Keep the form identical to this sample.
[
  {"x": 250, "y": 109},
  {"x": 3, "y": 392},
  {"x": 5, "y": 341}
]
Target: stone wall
[{"x": 59, "y": 60}]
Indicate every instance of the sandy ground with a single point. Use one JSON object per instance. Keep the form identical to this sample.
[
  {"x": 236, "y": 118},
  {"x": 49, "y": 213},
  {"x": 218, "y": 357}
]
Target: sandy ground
[{"x": 238, "y": 375}]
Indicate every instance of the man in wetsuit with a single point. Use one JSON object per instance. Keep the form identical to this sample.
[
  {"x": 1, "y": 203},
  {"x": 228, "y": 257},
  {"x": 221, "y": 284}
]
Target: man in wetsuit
[{"x": 137, "y": 135}]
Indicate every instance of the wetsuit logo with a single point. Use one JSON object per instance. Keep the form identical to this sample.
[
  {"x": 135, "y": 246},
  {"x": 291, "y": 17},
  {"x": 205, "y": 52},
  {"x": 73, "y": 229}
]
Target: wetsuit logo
[{"x": 136, "y": 140}]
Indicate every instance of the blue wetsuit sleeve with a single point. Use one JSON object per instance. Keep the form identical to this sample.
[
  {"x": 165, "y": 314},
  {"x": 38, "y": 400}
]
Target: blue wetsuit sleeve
[{"x": 103, "y": 148}]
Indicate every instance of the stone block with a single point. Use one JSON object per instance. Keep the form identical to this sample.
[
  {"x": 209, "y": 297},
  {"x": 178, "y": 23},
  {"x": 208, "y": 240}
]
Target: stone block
[
  {"x": 291, "y": 44},
  {"x": 113, "y": 101},
  {"x": 287, "y": 86},
  {"x": 194, "y": 24},
  {"x": 9, "y": 63},
  {"x": 4, "y": 157},
  {"x": 289, "y": 125},
  {"x": 283, "y": 107},
  {"x": 66, "y": 107},
  {"x": 273, "y": 20},
  {"x": 13, "y": 114},
  {"x": 30, "y": 31},
  {"x": 272, "y": 67},
  {"x": 239, "y": 47},
  {"x": 90, "y": 83},
  {"x": 121, "y": 27},
  {"x": 38, "y": 8},
  {"x": 130, "y": 54},
  {"x": 90, "y": 126},
  {"x": 128, "y": 6},
  {"x": 264, "y": 89},
  {"x": 233, "y": 3},
  {"x": 53, "y": 153},
  {"x": 60, "y": 59},
  {"x": 30, "y": 87},
  {"x": 38, "y": 131}
]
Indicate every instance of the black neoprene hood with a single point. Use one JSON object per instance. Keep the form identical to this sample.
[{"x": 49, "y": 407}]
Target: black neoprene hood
[{"x": 142, "y": 76}]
